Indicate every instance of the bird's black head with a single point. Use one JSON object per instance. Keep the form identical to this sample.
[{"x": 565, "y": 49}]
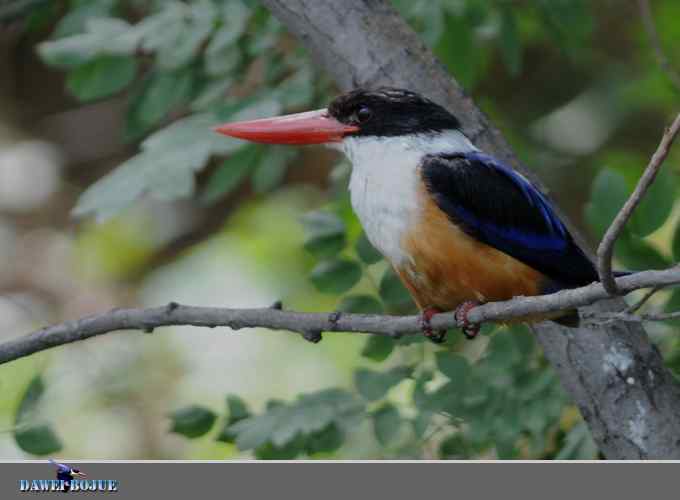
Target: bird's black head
[
  {"x": 77, "y": 473},
  {"x": 389, "y": 111},
  {"x": 384, "y": 112}
]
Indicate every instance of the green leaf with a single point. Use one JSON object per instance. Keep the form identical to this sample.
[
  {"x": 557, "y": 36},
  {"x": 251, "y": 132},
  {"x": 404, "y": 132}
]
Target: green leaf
[
  {"x": 181, "y": 42},
  {"x": 75, "y": 20},
  {"x": 165, "y": 168},
  {"x": 325, "y": 233},
  {"x": 569, "y": 22},
  {"x": 163, "y": 28},
  {"x": 234, "y": 18},
  {"x": 223, "y": 63},
  {"x": 421, "y": 423},
  {"x": 309, "y": 414},
  {"x": 326, "y": 440},
  {"x": 608, "y": 194},
  {"x": 192, "y": 421},
  {"x": 237, "y": 411},
  {"x": 361, "y": 304},
  {"x": 454, "y": 366},
  {"x": 103, "y": 37},
  {"x": 392, "y": 291},
  {"x": 636, "y": 253},
  {"x": 159, "y": 94},
  {"x": 656, "y": 205},
  {"x": 505, "y": 447},
  {"x": 211, "y": 92},
  {"x": 297, "y": 91},
  {"x": 367, "y": 252},
  {"x": 289, "y": 451},
  {"x": 255, "y": 431},
  {"x": 271, "y": 170},
  {"x": 420, "y": 394},
  {"x": 522, "y": 337},
  {"x": 41, "y": 17},
  {"x": 30, "y": 400},
  {"x": 453, "y": 447},
  {"x": 374, "y": 385},
  {"x": 510, "y": 44},
  {"x": 448, "y": 397},
  {"x": 31, "y": 436},
  {"x": 38, "y": 440},
  {"x": 335, "y": 276},
  {"x": 579, "y": 445},
  {"x": 229, "y": 175},
  {"x": 386, "y": 424},
  {"x": 502, "y": 351},
  {"x": 458, "y": 51},
  {"x": 223, "y": 55},
  {"x": 268, "y": 32},
  {"x": 378, "y": 348},
  {"x": 101, "y": 77}
]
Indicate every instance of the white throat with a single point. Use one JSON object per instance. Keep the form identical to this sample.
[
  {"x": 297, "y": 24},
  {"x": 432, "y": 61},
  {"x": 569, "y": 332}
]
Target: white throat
[{"x": 385, "y": 181}]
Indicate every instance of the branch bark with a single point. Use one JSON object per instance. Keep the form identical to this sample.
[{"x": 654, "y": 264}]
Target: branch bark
[
  {"x": 605, "y": 251},
  {"x": 366, "y": 43},
  {"x": 311, "y": 325}
]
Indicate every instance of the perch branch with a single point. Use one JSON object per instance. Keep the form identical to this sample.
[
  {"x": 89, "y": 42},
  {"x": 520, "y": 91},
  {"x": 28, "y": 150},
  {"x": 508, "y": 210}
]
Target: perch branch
[
  {"x": 310, "y": 325},
  {"x": 606, "y": 249}
]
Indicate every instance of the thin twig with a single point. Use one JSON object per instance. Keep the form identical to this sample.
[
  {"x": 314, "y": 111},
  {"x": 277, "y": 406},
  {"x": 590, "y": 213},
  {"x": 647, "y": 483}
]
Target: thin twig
[
  {"x": 661, "y": 57},
  {"x": 310, "y": 325},
  {"x": 631, "y": 318},
  {"x": 643, "y": 300},
  {"x": 606, "y": 249}
]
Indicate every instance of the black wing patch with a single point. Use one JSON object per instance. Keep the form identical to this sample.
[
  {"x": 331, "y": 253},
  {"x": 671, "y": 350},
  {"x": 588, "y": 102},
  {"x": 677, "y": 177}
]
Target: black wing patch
[{"x": 499, "y": 207}]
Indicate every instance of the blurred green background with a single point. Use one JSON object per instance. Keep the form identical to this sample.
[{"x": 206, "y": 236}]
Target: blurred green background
[{"x": 115, "y": 192}]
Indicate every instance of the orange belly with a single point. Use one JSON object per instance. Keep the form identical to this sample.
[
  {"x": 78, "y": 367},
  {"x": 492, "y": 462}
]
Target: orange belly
[{"x": 448, "y": 267}]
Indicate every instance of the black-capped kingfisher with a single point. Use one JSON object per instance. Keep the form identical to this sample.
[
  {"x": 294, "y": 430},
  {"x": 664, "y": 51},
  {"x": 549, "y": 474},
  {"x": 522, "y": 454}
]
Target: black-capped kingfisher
[{"x": 458, "y": 226}]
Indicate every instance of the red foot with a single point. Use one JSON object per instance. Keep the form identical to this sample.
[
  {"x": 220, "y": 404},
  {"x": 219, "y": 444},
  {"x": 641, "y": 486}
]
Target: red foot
[
  {"x": 470, "y": 330},
  {"x": 435, "y": 336}
]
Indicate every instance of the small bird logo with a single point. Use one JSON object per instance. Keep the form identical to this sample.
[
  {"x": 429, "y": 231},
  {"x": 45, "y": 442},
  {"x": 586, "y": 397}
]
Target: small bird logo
[{"x": 67, "y": 473}]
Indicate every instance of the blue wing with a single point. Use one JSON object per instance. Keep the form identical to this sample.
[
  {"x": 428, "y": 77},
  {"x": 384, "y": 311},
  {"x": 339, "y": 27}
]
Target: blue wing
[
  {"x": 501, "y": 208},
  {"x": 60, "y": 467}
]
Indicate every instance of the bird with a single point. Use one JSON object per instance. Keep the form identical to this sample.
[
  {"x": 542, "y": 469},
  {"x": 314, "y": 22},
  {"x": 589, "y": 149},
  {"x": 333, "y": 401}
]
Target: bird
[
  {"x": 67, "y": 473},
  {"x": 459, "y": 226}
]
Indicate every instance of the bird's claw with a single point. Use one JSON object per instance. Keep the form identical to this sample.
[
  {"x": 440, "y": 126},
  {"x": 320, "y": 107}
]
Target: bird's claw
[
  {"x": 436, "y": 336},
  {"x": 470, "y": 330}
]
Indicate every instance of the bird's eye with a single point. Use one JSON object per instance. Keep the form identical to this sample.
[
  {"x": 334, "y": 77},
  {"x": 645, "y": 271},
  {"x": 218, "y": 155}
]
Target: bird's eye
[{"x": 364, "y": 114}]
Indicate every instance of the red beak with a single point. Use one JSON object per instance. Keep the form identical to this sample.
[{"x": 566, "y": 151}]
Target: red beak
[{"x": 312, "y": 127}]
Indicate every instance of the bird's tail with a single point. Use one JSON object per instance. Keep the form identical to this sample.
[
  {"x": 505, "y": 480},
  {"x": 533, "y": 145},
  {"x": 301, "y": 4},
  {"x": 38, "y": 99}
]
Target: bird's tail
[{"x": 619, "y": 274}]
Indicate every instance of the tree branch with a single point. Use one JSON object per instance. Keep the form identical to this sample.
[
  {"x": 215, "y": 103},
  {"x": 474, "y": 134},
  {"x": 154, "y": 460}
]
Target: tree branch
[
  {"x": 310, "y": 325},
  {"x": 605, "y": 251}
]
